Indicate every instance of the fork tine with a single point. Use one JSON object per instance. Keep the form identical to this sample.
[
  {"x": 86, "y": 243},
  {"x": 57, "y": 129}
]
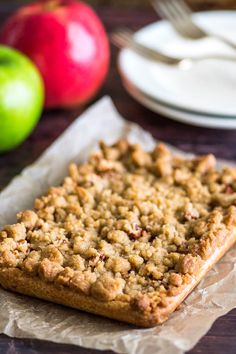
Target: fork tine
[
  {"x": 178, "y": 10},
  {"x": 157, "y": 5},
  {"x": 127, "y": 37},
  {"x": 166, "y": 10},
  {"x": 185, "y": 8},
  {"x": 185, "y": 13},
  {"x": 179, "y": 14},
  {"x": 163, "y": 8},
  {"x": 121, "y": 39},
  {"x": 127, "y": 31},
  {"x": 124, "y": 38},
  {"x": 191, "y": 29},
  {"x": 116, "y": 40},
  {"x": 124, "y": 35},
  {"x": 183, "y": 17}
]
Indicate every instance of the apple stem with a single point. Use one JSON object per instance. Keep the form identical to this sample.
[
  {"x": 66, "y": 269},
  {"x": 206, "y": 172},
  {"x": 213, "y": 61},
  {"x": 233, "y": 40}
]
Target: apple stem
[{"x": 50, "y": 5}]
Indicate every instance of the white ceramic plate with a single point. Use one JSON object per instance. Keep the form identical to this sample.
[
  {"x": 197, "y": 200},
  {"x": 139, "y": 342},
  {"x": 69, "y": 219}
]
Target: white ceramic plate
[
  {"x": 179, "y": 115},
  {"x": 209, "y": 88}
]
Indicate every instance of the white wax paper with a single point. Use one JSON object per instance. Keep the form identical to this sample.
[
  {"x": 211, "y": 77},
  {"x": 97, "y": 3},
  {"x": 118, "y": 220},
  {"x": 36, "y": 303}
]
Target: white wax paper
[{"x": 26, "y": 317}]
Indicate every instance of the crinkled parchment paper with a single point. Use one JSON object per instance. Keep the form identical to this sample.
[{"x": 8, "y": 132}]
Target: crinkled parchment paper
[{"x": 26, "y": 317}]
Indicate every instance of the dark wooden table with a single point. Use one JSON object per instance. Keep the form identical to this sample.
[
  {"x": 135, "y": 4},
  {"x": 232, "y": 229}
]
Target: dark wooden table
[{"x": 221, "y": 339}]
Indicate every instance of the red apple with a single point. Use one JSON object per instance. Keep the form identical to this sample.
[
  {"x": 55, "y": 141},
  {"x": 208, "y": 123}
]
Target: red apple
[{"x": 68, "y": 43}]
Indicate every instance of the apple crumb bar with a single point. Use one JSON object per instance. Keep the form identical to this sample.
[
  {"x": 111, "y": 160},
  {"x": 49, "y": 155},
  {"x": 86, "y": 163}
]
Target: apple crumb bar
[{"x": 127, "y": 235}]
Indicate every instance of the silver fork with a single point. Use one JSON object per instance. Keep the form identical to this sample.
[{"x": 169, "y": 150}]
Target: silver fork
[
  {"x": 178, "y": 13},
  {"x": 124, "y": 38}
]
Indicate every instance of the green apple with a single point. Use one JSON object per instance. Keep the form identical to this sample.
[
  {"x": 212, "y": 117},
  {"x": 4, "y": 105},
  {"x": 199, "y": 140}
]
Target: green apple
[{"x": 21, "y": 97}]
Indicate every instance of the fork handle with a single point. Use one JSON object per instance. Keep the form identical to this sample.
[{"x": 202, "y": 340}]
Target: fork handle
[
  {"x": 224, "y": 40},
  {"x": 152, "y": 54}
]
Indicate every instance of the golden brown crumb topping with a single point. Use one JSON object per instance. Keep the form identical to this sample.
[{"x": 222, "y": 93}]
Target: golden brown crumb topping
[{"x": 128, "y": 225}]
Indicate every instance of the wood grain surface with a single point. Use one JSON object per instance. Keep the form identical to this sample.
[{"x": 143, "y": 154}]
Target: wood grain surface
[{"x": 221, "y": 339}]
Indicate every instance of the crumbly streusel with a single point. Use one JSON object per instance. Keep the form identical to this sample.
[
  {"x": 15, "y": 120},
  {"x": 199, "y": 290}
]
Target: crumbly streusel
[{"x": 127, "y": 225}]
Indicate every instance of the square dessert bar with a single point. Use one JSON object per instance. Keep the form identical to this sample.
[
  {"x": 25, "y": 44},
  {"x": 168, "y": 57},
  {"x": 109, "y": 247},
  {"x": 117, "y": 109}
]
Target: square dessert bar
[{"x": 127, "y": 235}]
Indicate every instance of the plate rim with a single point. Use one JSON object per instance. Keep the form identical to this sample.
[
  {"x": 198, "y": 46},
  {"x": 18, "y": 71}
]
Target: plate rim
[
  {"x": 182, "y": 120},
  {"x": 168, "y": 103}
]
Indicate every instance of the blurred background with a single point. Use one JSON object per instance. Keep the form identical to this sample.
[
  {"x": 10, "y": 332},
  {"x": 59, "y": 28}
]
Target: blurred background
[
  {"x": 196, "y": 4},
  {"x": 145, "y": 3}
]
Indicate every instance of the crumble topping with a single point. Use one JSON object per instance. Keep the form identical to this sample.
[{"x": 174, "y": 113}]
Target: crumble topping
[{"x": 128, "y": 225}]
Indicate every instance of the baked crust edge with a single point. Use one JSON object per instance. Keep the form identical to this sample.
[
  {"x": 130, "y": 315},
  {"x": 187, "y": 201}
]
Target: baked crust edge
[{"x": 18, "y": 281}]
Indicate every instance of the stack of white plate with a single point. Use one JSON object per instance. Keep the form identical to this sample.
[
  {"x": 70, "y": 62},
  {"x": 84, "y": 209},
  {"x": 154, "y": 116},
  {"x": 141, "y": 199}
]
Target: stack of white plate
[{"x": 205, "y": 95}]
